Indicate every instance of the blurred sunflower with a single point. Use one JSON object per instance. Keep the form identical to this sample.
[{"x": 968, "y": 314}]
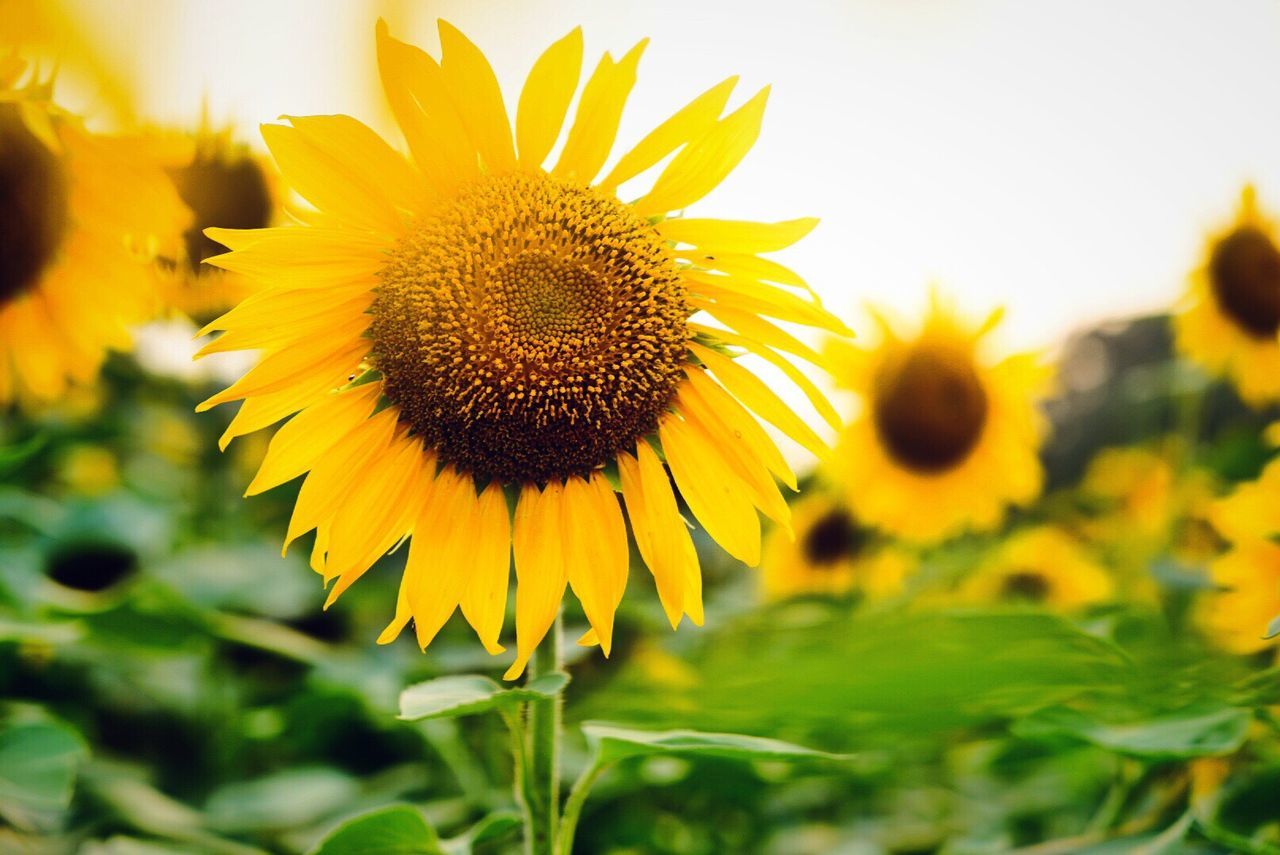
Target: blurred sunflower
[
  {"x": 1230, "y": 319},
  {"x": 1247, "y": 599},
  {"x": 80, "y": 216},
  {"x": 1252, "y": 510},
  {"x": 226, "y": 186},
  {"x": 946, "y": 438},
  {"x": 830, "y": 553},
  {"x": 1041, "y": 566},
  {"x": 490, "y": 326}
]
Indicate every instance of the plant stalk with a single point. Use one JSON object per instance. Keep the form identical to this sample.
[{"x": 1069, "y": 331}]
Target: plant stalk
[{"x": 542, "y": 769}]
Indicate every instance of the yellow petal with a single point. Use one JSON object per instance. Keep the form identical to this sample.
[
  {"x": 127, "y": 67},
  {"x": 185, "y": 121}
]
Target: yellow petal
[
  {"x": 709, "y": 397},
  {"x": 434, "y": 131},
  {"x": 747, "y": 266},
  {"x": 333, "y": 477},
  {"x": 380, "y": 168},
  {"x": 713, "y": 492},
  {"x": 544, "y": 101},
  {"x": 595, "y": 551},
  {"x": 753, "y": 393},
  {"x": 294, "y": 365},
  {"x": 595, "y": 126},
  {"x": 540, "y": 569},
  {"x": 330, "y": 184},
  {"x": 690, "y": 122},
  {"x": 795, "y": 375},
  {"x": 439, "y": 552},
  {"x": 735, "y": 235},
  {"x": 736, "y": 456},
  {"x": 704, "y": 163},
  {"x": 484, "y": 602},
  {"x": 477, "y": 97},
  {"x": 661, "y": 534},
  {"x": 307, "y": 436},
  {"x": 761, "y": 299},
  {"x": 377, "y": 515}
]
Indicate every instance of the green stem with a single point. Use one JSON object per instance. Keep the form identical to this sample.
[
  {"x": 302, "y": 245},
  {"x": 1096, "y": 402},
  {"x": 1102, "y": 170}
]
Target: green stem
[
  {"x": 520, "y": 778},
  {"x": 573, "y": 806},
  {"x": 542, "y": 771}
]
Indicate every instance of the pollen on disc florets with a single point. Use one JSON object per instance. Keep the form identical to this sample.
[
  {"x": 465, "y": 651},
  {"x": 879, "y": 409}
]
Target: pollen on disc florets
[
  {"x": 930, "y": 408},
  {"x": 33, "y": 205},
  {"x": 530, "y": 329}
]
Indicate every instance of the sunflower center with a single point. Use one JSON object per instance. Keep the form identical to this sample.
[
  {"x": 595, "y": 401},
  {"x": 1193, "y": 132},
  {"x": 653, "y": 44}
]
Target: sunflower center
[
  {"x": 223, "y": 193},
  {"x": 833, "y": 537},
  {"x": 1025, "y": 585},
  {"x": 530, "y": 329},
  {"x": 929, "y": 408},
  {"x": 33, "y": 205},
  {"x": 1244, "y": 271}
]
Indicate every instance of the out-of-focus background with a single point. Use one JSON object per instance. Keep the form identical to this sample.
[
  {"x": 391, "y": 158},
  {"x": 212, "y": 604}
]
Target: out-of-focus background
[
  {"x": 1091, "y": 676},
  {"x": 1023, "y": 154}
]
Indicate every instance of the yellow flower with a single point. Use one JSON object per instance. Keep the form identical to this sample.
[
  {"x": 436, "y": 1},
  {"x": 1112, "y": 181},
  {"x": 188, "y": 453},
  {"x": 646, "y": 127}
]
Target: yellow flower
[
  {"x": 946, "y": 438},
  {"x": 1237, "y": 615},
  {"x": 90, "y": 470},
  {"x": 80, "y": 214},
  {"x": 1139, "y": 484},
  {"x": 1252, "y": 511},
  {"x": 462, "y": 327},
  {"x": 1229, "y": 322},
  {"x": 226, "y": 186},
  {"x": 1043, "y": 566},
  {"x": 829, "y": 554}
]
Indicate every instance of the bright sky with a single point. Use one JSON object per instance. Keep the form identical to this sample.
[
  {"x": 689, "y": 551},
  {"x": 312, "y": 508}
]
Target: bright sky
[{"x": 1063, "y": 158}]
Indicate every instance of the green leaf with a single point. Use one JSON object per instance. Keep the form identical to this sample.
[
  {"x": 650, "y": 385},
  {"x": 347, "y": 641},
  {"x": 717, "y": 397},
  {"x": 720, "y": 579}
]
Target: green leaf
[
  {"x": 13, "y": 456},
  {"x": 38, "y": 763},
  {"x": 1273, "y": 628},
  {"x": 615, "y": 743},
  {"x": 468, "y": 694},
  {"x": 1196, "y": 731},
  {"x": 395, "y": 830},
  {"x": 495, "y": 826},
  {"x": 288, "y": 799}
]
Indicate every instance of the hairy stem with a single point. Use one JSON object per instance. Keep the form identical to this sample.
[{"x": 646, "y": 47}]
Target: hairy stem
[{"x": 542, "y": 769}]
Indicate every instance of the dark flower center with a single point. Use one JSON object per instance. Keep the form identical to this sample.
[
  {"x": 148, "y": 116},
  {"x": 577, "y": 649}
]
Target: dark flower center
[
  {"x": 91, "y": 566},
  {"x": 1244, "y": 272},
  {"x": 1025, "y": 585},
  {"x": 930, "y": 408},
  {"x": 833, "y": 537},
  {"x": 531, "y": 329},
  {"x": 222, "y": 192},
  {"x": 33, "y": 205}
]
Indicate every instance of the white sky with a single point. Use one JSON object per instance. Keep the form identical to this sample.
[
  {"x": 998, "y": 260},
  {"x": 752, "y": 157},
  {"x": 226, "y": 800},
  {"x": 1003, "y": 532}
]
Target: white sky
[{"x": 1063, "y": 158}]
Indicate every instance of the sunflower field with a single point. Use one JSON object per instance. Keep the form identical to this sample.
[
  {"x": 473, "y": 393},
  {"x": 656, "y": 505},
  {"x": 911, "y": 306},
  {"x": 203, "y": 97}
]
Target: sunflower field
[{"x": 442, "y": 428}]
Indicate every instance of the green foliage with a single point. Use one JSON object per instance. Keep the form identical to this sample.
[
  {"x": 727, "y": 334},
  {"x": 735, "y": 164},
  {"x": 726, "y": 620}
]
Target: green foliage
[
  {"x": 469, "y": 694},
  {"x": 613, "y": 743},
  {"x": 395, "y": 830},
  {"x": 38, "y": 763},
  {"x": 1202, "y": 730}
]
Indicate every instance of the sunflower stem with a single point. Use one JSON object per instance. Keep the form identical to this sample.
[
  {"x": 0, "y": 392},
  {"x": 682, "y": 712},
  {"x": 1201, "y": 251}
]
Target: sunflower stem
[{"x": 543, "y": 767}]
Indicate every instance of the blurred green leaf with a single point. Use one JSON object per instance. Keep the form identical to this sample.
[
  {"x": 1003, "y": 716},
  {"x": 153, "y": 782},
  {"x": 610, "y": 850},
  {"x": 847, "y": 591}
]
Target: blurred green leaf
[
  {"x": 614, "y": 743},
  {"x": 60, "y": 632},
  {"x": 38, "y": 763},
  {"x": 1273, "y": 628},
  {"x": 468, "y": 694},
  {"x": 495, "y": 826},
  {"x": 13, "y": 456},
  {"x": 284, "y": 800},
  {"x": 1196, "y": 731},
  {"x": 395, "y": 830}
]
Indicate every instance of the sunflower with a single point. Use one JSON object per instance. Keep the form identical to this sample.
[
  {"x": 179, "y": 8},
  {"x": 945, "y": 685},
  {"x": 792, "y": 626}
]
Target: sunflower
[
  {"x": 1252, "y": 510},
  {"x": 1042, "y": 566},
  {"x": 830, "y": 553},
  {"x": 226, "y": 186},
  {"x": 461, "y": 330},
  {"x": 1229, "y": 322},
  {"x": 1247, "y": 599},
  {"x": 79, "y": 216},
  {"x": 946, "y": 439}
]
